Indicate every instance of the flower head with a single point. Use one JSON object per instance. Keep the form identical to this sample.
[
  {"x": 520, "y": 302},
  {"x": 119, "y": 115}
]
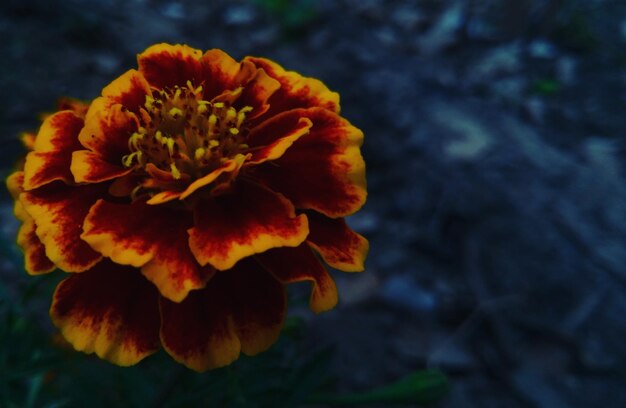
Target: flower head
[{"x": 183, "y": 199}]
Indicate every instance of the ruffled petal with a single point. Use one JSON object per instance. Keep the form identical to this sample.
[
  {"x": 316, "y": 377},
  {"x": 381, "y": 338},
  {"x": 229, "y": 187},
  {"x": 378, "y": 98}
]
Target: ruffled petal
[
  {"x": 270, "y": 140},
  {"x": 107, "y": 130},
  {"x": 14, "y": 183},
  {"x": 110, "y": 310},
  {"x": 222, "y": 73},
  {"x": 323, "y": 170},
  {"x": 295, "y": 90},
  {"x": 167, "y": 66},
  {"x": 90, "y": 167},
  {"x": 250, "y": 220},
  {"x": 129, "y": 90},
  {"x": 50, "y": 160},
  {"x": 75, "y": 105},
  {"x": 199, "y": 332},
  {"x": 152, "y": 237},
  {"x": 242, "y": 309},
  {"x": 339, "y": 246},
  {"x": 228, "y": 166},
  {"x": 299, "y": 264},
  {"x": 256, "y": 94},
  {"x": 35, "y": 260},
  {"x": 58, "y": 211},
  {"x": 259, "y": 306}
]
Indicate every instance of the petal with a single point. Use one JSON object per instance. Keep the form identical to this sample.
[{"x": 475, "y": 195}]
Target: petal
[
  {"x": 339, "y": 246},
  {"x": 222, "y": 73},
  {"x": 242, "y": 309},
  {"x": 28, "y": 140},
  {"x": 228, "y": 166},
  {"x": 299, "y": 264},
  {"x": 75, "y": 105},
  {"x": 256, "y": 94},
  {"x": 129, "y": 90},
  {"x": 199, "y": 332},
  {"x": 58, "y": 211},
  {"x": 35, "y": 260},
  {"x": 167, "y": 66},
  {"x": 90, "y": 167},
  {"x": 124, "y": 185},
  {"x": 323, "y": 170},
  {"x": 110, "y": 310},
  {"x": 14, "y": 184},
  {"x": 272, "y": 138},
  {"x": 152, "y": 237},
  {"x": 259, "y": 306},
  {"x": 248, "y": 221},
  {"x": 50, "y": 160},
  {"x": 295, "y": 90},
  {"x": 107, "y": 130}
]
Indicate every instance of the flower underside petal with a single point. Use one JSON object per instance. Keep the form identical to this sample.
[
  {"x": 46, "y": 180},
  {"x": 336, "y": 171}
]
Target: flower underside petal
[
  {"x": 299, "y": 264},
  {"x": 339, "y": 246},
  {"x": 110, "y": 310}
]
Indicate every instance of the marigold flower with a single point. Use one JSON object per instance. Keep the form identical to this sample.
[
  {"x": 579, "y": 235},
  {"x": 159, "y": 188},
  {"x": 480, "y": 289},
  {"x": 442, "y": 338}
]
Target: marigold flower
[{"x": 184, "y": 199}]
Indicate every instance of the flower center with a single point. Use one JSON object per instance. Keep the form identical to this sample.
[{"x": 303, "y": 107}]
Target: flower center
[{"x": 186, "y": 135}]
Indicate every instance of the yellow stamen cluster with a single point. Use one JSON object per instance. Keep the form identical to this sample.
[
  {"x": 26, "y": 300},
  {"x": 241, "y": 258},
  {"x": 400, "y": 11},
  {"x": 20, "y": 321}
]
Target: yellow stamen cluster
[{"x": 186, "y": 135}]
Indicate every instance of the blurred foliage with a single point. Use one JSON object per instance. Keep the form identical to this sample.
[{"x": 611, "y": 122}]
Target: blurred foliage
[
  {"x": 546, "y": 87},
  {"x": 292, "y": 15}
]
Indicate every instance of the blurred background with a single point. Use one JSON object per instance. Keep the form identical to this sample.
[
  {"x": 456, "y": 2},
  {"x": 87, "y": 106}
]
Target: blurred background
[{"x": 497, "y": 203}]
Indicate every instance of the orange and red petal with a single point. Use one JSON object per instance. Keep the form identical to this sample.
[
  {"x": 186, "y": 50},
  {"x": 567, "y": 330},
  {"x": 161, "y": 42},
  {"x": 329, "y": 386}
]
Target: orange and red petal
[
  {"x": 221, "y": 73},
  {"x": 129, "y": 90},
  {"x": 246, "y": 221},
  {"x": 75, "y": 105},
  {"x": 256, "y": 94},
  {"x": 323, "y": 170},
  {"x": 14, "y": 183},
  {"x": 339, "y": 246},
  {"x": 199, "y": 332},
  {"x": 52, "y": 151},
  {"x": 167, "y": 66},
  {"x": 242, "y": 309},
  {"x": 111, "y": 310},
  {"x": 270, "y": 140},
  {"x": 152, "y": 237},
  {"x": 228, "y": 166},
  {"x": 35, "y": 260},
  {"x": 259, "y": 305},
  {"x": 107, "y": 130},
  {"x": 290, "y": 265},
  {"x": 58, "y": 211},
  {"x": 295, "y": 90},
  {"x": 90, "y": 167}
]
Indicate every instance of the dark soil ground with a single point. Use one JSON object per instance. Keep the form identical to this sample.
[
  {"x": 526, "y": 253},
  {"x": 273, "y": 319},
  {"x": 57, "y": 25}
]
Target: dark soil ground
[{"x": 495, "y": 152}]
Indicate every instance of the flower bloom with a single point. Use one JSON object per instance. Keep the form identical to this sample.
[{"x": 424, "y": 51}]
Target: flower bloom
[{"x": 183, "y": 200}]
